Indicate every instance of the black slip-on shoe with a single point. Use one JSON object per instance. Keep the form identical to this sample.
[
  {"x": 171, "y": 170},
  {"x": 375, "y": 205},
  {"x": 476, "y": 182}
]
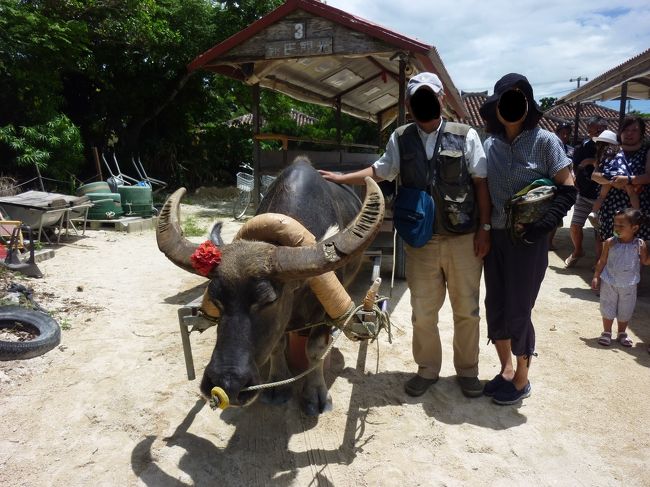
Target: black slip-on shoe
[
  {"x": 418, "y": 385},
  {"x": 491, "y": 387},
  {"x": 509, "y": 394}
]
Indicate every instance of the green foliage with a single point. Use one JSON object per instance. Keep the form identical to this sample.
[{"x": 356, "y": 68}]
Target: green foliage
[
  {"x": 276, "y": 110},
  {"x": 34, "y": 50},
  {"x": 65, "y": 324},
  {"x": 353, "y": 130},
  {"x": 191, "y": 228},
  {"x": 89, "y": 71},
  {"x": 546, "y": 103},
  {"x": 639, "y": 113},
  {"x": 36, "y": 145}
]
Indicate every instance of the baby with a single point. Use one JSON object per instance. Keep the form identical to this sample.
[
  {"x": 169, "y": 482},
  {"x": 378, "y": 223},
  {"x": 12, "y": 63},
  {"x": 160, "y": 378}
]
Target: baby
[{"x": 612, "y": 164}]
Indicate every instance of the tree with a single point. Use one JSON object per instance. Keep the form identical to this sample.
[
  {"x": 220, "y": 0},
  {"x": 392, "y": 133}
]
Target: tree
[
  {"x": 34, "y": 51},
  {"x": 117, "y": 70},
  {"x": 38, "y": 144},
  {"x": 639, "y": 113},
  {"x": 547, "y": 102}
]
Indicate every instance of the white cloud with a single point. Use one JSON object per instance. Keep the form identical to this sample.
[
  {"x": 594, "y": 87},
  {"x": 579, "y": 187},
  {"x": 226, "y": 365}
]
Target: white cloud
[{"x": 549, "y": 42}]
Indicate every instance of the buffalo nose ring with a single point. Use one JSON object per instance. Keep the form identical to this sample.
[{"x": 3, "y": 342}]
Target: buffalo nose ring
[{"x": 219, "y": 398}]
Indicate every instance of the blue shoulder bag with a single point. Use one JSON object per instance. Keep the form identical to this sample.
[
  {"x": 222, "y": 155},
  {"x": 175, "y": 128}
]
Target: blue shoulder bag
[
  {"x": 414, "y": 210},
  {"x": 413, "y": 216}
]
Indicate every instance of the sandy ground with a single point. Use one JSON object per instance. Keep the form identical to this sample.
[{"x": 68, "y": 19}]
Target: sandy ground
[{"x": 111, "y": 406}]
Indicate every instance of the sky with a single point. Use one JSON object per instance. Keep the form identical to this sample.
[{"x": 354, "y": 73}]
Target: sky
[{"x": 550, "y": 42}]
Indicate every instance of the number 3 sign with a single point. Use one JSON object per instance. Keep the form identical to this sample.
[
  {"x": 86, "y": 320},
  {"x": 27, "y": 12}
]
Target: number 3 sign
[{"x": 298, "y": 31}]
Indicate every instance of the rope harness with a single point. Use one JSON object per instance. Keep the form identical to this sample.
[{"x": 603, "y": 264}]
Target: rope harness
[{"x": 369, "y": 324}]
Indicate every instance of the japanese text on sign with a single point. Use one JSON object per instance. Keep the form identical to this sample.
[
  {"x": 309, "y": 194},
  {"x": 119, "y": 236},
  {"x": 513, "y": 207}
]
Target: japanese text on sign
[{"x": 305, "y": 47}]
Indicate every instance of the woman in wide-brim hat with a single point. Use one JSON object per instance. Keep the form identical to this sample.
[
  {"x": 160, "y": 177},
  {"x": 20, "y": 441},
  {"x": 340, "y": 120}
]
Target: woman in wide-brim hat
[{"x": 518, "y": 152}]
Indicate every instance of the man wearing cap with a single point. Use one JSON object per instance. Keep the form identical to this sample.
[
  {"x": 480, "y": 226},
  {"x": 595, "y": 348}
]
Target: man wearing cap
[
  {"x": 518, "y": 153},
  {"x": 451, "y": 262},
  {"x": 583, "y": 167}
]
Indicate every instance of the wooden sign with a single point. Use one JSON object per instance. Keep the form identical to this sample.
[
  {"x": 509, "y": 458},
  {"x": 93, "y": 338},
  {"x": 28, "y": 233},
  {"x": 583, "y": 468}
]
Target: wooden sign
[{"x": 299, "y": 48}]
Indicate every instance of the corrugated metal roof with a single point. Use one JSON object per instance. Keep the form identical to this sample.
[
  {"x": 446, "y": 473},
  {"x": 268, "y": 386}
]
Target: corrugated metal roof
[
  {"x": 319, "y": 54},
  {"x": 635, "y": 72}
]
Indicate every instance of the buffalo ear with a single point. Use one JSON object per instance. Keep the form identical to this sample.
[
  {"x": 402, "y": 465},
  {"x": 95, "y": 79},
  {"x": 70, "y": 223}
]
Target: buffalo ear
[{"x": 215, "y": 234}]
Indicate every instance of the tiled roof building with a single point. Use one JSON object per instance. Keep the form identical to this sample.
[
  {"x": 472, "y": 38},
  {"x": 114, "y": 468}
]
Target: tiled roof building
[
  {"x": 473, "y": 102},
  {"x": 567, "y": 112},
  {"x": 300, "y": 118},
  {"x": 552, "y": 117}
]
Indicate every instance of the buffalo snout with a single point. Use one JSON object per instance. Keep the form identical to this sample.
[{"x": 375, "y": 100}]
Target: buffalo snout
[{"x": 232, "y": 384}]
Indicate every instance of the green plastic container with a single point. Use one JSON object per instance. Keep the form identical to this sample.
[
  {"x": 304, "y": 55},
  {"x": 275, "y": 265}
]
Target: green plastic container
[
  {"x": 136, "y": 200},
  {"x": 106, "y": 206},
  {"x": 96, "y": 187}
]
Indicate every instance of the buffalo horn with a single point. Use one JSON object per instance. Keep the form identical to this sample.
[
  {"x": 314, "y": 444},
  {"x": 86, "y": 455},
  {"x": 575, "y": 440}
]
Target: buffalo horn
[{"x": 169, "y": 235}]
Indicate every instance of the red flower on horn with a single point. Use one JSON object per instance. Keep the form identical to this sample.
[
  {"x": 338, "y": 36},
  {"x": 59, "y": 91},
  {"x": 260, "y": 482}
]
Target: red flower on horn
[{"x": 205, "y": 258}]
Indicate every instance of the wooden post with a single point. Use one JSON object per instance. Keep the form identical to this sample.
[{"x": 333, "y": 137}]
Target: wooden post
[
  {"x": 401, "y": 117},
  {"x": 380, "y": 123},
  {"x": 40, "y": 178},
  {"x": 577, "y": 117},
  {"x": 576, "y": 121},
  {"x": 338, "y": 129},
  {"x": 338, "y": 120},
  {"x": 98, "y": 165},
  {"x": 621, "y": 110},
  {"x": 255, "y": 92}
]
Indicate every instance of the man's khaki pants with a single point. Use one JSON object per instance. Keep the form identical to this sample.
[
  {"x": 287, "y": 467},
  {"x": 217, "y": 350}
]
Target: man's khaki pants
[{"x": 445, "y": 263}]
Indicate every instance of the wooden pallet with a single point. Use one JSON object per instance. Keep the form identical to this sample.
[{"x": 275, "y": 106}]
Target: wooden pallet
[{"x": 126, "y": 224}]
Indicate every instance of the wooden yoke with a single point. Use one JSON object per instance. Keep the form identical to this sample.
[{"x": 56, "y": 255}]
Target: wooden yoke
[{"x": 283, "y": 230}]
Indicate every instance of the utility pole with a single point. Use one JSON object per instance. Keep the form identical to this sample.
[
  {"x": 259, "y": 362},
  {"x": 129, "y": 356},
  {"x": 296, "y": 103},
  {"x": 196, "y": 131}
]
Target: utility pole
[{"x": 576, "y": 120}]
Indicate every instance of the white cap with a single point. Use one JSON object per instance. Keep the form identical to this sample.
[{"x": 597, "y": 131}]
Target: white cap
[
  {"x": 606, "y": 136},
  {"x": 420, "y": 80}
]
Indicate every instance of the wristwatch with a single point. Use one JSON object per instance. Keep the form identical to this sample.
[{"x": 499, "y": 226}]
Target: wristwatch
[{"x": 487, "y": 227}]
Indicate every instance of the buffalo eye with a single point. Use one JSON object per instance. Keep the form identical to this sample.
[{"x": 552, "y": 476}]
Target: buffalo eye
[{"x": 215, "y": 294}]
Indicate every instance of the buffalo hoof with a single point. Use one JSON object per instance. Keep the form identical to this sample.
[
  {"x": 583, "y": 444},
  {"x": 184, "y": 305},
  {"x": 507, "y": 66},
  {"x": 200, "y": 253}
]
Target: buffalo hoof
[
  {"x": 276, "y": 395},
  {"x": 316, "y": 401}
]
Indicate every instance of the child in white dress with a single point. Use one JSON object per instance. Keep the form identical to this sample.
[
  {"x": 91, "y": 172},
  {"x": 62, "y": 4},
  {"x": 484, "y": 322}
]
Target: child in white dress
[{"x": 617, "y": 274}]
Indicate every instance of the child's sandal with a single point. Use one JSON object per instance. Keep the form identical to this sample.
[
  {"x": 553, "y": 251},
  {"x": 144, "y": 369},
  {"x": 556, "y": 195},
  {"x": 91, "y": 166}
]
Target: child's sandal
[
  {"x": 624, "y": 340},
  {"x": 605, "y": 339}
]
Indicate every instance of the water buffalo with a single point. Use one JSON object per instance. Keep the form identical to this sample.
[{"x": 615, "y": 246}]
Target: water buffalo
[{"x": 276, "y": 276}]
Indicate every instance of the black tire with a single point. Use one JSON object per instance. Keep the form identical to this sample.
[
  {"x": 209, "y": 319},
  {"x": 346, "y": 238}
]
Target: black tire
[
  {"x": 240, "y": 203},
  {"x": 45, "y": 327},
  {"x": 400, "y": 258}
]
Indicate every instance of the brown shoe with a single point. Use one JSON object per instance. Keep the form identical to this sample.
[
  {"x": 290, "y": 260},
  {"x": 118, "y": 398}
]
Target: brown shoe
[
  {"x": 418, "y": 385},
  {"x": 470, "y": 386}
]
